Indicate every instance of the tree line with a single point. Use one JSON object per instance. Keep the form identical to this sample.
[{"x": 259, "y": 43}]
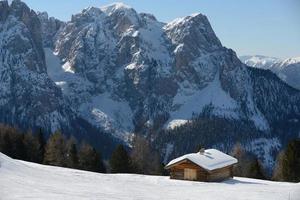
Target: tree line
[
  {"x": 287, "y": 164},
  {"x": 58, "y": 150},
  {"x": 141, "y": 158}
]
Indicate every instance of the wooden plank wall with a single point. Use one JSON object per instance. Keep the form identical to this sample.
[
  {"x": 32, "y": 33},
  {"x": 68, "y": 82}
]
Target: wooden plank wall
[{"x": 177, "y": 172}]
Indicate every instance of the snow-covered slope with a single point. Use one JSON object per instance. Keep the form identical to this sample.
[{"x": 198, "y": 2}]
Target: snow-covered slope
[
  {"x": 24, "y": 180},
  {"x": 288, "y": 70}
]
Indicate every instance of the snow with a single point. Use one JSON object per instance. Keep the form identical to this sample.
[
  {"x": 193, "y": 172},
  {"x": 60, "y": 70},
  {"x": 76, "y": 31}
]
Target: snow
[
  {"x": 259, "y": 61},
  {"x": 188, "y": 102},
  {"x": 109, "y": 9},
  {"x": 211, "y": 159},
  {"x": 24, "y": 180},
  {"x": 122, "y": 9},
  {"x": 68, "y": 68},
  {"x": 63, "y": 76},
  {"x": 110, "y": 114},
  {"x": 291, "y": 61},
  {"x": 176, "y": 123},
  {"x": 264, "y": 149}
]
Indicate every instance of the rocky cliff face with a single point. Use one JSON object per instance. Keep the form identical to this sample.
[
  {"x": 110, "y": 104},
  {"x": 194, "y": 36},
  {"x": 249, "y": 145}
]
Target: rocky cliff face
[
  {"x": 49, "y": 27},
  {"x": 29, "y": 99},
  {"x": 28, "y": 96}
]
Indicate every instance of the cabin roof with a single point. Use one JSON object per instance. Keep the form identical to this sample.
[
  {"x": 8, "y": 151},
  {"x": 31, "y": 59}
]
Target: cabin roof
[{"x": 210, "y": 159}]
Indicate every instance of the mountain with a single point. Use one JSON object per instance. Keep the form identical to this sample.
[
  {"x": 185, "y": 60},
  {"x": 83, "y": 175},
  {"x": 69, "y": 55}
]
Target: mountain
[
  {"x": 125, "y": 73},
  {"x": 259, "y": 61},
  {"x": 29, "y": 99},
  {"x": 288, "y": 70},
  {"x": 18, "y": 178},
  {"x": 150, "y": 72},
  {"x": 49, "y": 27}
]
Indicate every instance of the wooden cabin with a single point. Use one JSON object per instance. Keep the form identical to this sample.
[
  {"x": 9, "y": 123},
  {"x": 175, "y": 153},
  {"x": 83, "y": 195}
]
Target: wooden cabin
[{"x": 208, "y": 165}]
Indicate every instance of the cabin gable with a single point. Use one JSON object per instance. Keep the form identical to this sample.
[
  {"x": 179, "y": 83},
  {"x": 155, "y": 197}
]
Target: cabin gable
[{"x": 178, "y": 170}]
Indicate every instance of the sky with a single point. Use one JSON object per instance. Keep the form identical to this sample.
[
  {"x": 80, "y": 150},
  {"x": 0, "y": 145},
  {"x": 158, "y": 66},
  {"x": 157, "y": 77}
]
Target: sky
[{"x": 250, "y": 27}]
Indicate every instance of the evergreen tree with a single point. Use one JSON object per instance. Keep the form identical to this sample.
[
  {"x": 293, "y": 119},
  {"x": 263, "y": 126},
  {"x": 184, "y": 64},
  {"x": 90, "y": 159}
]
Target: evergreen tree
[
  {"x": 18, "y": 145},
  {"x": 6, "y": 144},
  {"x": 248, "y": 165},
  {"x": 145, "y": 159},
  {"x": 32, "y": 146},
  {"x": 89, "y": 159},
  {"x": 256, "y": 170},
  {"x": 71, "y": 156},
  {"x": 120, "y": 161},
  {"x": 288, "y": 166},
  {"x": 42, "y": 144},
  {"x": 55, "y": 150},
  {"x": 277, "y": 173}
]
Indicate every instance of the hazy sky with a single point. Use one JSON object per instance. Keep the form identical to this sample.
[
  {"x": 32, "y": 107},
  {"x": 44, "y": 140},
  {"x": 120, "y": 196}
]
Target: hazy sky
[{"x": 265, "y": 27}]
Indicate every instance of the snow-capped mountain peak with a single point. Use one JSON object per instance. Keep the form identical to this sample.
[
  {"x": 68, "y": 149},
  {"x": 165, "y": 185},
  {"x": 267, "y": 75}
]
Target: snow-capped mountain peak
[
  {"x": 259, "y": 61},
  {"x": 288, "y": 69},
  {"x": 114, "y": 7}
]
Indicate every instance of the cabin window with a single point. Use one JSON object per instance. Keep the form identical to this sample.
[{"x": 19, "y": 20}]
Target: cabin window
[{"x": 190, "y": 174}]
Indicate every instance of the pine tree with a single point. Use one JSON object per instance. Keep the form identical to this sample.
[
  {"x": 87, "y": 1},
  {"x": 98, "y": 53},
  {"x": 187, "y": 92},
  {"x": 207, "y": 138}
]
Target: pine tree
[
  {"x": 42, "y": 144},
  {"x": 120, "y": 161},
  {"x": 277, "y": 173},
  {"x": 55, "y": 150},
  {"x": 288, "y": 168},
  {"x": 239, "y": 153},
  {"x": 32, "y": 146},
  {"x": 145, "y": 160},
  {"x": 71, "y": 156},
  {"x": 248, "y": 165},
  {"x": 89, "y": 159},
  {"x": 256, "y": 170},
  {"x": 6, "y": 144},
  {"x": 18, "y": 145}
]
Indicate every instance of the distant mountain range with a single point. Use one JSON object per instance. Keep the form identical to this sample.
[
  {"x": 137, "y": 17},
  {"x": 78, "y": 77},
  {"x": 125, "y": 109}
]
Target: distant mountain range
[
  {"x": 118, "y": 72},
  {"x": 288, "y": 70}
]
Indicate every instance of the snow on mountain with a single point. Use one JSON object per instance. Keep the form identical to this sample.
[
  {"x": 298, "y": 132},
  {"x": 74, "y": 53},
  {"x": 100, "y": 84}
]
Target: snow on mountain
[
  {"x": 258, "y": 61},
  {"x": 28, "y": 97},
  {"x": 25, "y": 180},
  {"x": 141, "y": 49},
  {"x": 188, "y": 102},
  {"x": 288, "y": 70}
]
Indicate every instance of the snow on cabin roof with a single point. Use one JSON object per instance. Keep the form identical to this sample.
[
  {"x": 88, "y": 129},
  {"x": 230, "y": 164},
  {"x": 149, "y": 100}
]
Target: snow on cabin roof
[{"x": 211, "y": 159}]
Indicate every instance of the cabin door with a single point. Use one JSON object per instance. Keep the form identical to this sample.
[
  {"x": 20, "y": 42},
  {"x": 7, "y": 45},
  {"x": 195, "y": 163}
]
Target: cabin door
[{"x": 190, "y": 174}]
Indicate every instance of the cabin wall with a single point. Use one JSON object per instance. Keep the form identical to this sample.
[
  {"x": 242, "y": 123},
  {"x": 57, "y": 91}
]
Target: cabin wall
[
  {"x": 177, "y": 172},
  {"x": 220, "y": 174}
]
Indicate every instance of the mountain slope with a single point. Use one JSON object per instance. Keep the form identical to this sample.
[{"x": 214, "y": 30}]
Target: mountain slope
[
  {"x": 127, "y": 73},
  {"x": 288, "y": 70},
  {"x": 157, "y": 68},
  {"x": 259, "y": 61},
  {"x": 24, "y": 180},
  {"x": 29, "y": 99}
]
